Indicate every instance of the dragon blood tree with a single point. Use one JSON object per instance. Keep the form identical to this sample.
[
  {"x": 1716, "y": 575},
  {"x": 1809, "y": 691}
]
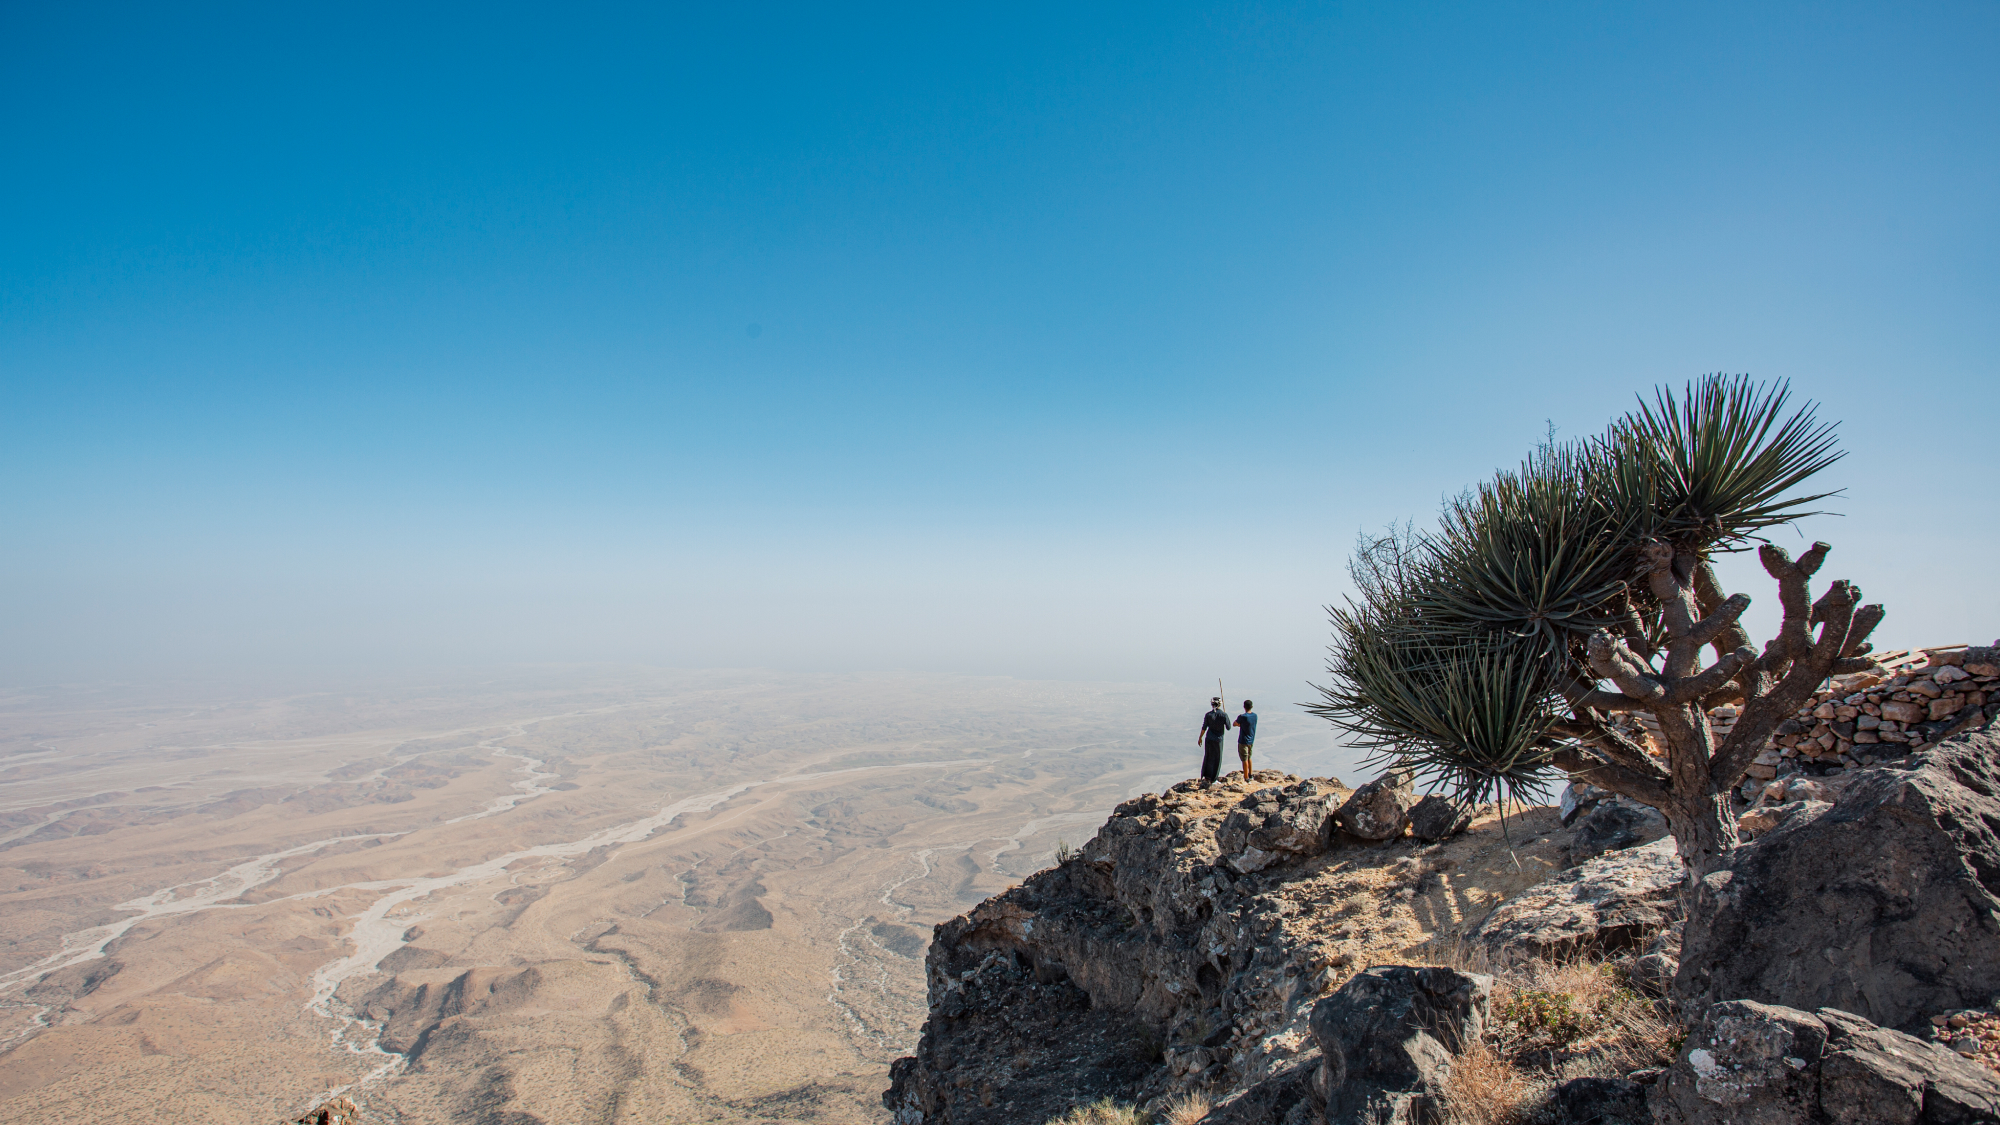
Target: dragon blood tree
[{"x": 1494, "y": 654}]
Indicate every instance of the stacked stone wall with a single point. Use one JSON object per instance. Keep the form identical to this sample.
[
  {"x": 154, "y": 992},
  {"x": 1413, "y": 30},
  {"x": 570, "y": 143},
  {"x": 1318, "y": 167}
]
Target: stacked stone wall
[{"x": 1908, "y": 701}]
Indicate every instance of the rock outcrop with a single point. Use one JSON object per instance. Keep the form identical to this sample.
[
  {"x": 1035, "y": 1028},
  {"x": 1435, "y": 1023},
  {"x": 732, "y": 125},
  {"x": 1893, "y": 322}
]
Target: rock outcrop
[
  {"x": 1282, "y": 821},
  {"x": 1147, "y": 957},
  {"x": 1773, "y": 1065},
  {"x": 1387, "y": 1040},
  {"x": 1614, "y": 824},
  {"x": 1183, "y": 950},
  {"x": 1600, "y": 1101},
  {"x": 1438, "y": 817},
  {"x": 339, "y": 1111},
  {"x": 1379, "y": 810},
  {"x": 1885, "y": 904},
  {"x": 1613, "y": 903}
]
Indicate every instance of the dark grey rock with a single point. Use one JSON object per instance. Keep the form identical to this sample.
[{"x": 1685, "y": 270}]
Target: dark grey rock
[
  {"x": 1653, "y": 970},
  {"x": 1745, "y": 1064},
  {"x": 1599, "y": 1101},
  {"x": 1886, "y": 905},
  {"x": 1284, "y": 1097},
  {"x": 1771, "y": 1065},
  {"x": 1379, "y": 810},
  {"x": 1387, "y": 1039},
  {"x": 1438, "y": 818},
  {"x": 1873, "y": 1075},
  {"x": 1578, "y": 797},
  {"x": 1613, "y": 903},
  {"x": 1615, "y": 824}
]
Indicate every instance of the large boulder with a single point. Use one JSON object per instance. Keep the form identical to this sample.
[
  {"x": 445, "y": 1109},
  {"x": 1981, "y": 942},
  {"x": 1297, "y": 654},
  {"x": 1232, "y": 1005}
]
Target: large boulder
[
  {"x": 1886, "y": 904},
  {"x": 1766, "y": 1064},
  {"x": 1613, "y": 903},
  {"x": 1379, "y": 810},
  {"x": 1277, "y": 823},
  {"x": 1387, "y": 1039}
]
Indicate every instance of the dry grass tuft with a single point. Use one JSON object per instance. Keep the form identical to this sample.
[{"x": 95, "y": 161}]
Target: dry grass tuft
[
  {"x": 1486, "y": 1089},
  {"x": 1186, "y": 1109},
  {"x": 1550, "y": 1022},
  {"x": 1103, "y": 1111}
]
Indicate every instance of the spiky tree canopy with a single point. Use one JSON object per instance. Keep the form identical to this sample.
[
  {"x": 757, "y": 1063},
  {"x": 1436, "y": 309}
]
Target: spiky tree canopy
[{"x": 1466, "y": 653}]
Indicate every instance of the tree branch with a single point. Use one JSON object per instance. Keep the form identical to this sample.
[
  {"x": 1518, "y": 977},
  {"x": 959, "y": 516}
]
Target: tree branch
[
  {"x": 1708, "y": 593},
  {"x": 1722, "y": 620},
  {"x": 1580, "y": 695},
  {"x": 1614, "y": 662},
  {"x": 1634, "y": 628},
  {"x": 1607, "y": 775},
  {"x": 1620, "y": 750},
  {"x": 1691, "y": 689},
  {"x": 1843, "y": 630}
]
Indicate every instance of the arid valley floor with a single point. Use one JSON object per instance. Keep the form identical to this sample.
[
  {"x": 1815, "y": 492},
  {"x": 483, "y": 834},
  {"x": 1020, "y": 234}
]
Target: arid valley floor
[{"x": 558, "y": 897}]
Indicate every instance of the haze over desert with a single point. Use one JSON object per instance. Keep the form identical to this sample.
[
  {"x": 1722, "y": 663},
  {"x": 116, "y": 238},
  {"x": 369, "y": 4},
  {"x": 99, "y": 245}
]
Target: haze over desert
[{"x": 681, "y": 896}]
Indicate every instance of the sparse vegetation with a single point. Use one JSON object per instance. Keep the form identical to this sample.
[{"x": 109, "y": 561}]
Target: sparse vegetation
[
  {"x": 1064, "y": 853},
  {"x": 1550, "y": 1022},
  {"x": 1496, "y": 653},
  {"x": 1185, "y": 1109},
  {"x": 1103, "y": 1111}
]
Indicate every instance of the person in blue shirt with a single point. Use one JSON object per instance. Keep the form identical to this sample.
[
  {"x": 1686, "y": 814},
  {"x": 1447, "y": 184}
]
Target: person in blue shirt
[
  {"x": 1246, "y": 735},
  {"x": 1214, "y": 725}
]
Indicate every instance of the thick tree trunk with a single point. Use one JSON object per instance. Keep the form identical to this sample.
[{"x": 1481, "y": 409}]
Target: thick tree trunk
[
  {"x": 1693, "y": 790},
  {"x": 1705, "y": 831},
  {"x": 1697, "y": 808}
]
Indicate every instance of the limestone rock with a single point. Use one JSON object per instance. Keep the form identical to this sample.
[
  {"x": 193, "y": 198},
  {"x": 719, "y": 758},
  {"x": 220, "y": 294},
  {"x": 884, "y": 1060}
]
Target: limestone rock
[
  {"x": 1578, "y": 797},
  {"x": 1281, "y": 821},
  {"x": 1438, "y": 818},
  {"x": 1764, "y": 819},
  {"x": 1884, "y": 905},
  {"x": 1379, "y": 810},
  {"x": 1615, "y": 824},
  {"x": 1612, "y": 903},
  {"x": 1285, "y": 1098},
  {"x": 1144, "y": 965},
  {"x": 1387, "y": 1039}
]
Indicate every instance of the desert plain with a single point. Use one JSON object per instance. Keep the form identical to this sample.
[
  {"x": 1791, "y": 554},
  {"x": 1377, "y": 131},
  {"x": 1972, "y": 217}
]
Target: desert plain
[{"x": 553, "y": 896}]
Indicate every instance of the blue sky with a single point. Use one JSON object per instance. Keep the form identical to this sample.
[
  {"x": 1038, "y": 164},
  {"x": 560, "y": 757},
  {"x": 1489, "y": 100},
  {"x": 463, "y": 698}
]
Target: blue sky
[{"x": 1045, "y": 341}]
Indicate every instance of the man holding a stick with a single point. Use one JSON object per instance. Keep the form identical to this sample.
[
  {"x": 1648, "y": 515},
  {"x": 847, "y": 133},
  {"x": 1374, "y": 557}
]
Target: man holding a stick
[{"x": 1214, "y": 725}]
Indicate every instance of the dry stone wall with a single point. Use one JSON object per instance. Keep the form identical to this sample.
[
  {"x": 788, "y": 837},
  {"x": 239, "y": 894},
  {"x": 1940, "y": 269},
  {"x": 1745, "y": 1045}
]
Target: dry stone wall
[{"x": 1910, "y": 700}]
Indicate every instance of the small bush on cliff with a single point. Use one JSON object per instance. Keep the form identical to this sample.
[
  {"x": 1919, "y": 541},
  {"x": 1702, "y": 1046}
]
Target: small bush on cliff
[
  {"x": 1185, "y": 1109},
  {"x": 1103, "y": 1111},
  {"x": 1551, "y": 1022},
  {"x": 1492, "y": 653}
]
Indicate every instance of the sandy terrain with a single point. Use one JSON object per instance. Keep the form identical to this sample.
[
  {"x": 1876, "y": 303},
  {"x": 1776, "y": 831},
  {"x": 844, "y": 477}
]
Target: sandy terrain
[{"x": 619, "y": 896}]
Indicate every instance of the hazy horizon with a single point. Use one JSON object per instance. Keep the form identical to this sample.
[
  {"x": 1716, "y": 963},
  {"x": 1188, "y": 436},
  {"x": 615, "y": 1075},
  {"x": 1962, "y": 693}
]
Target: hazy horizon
[{"x": 1040, "y": 343}]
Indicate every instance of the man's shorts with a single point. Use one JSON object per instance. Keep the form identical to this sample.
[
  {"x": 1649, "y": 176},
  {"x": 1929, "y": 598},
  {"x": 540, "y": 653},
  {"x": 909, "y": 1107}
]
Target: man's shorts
[{"x": 1243, "y": 750}]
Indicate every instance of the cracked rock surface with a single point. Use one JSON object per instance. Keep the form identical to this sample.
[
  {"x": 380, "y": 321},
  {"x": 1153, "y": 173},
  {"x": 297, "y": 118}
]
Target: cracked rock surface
[{"x": 1184, "y": 947}]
